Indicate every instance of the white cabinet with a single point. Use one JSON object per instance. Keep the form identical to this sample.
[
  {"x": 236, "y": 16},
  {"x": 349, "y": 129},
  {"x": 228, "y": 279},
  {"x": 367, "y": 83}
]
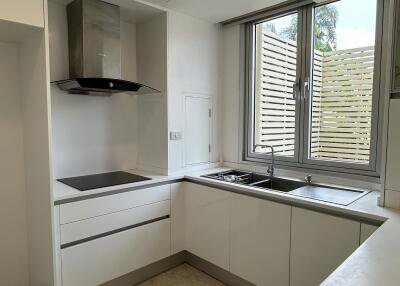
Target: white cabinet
[
  {"x": 106, "y": 237},
  {"x": 366, "y": 231},
  {"x": 197, "y": 130},
  {"x": 393, "y": 150},
  {"x": 84, "y": 209},
  {"x": 106, "y": 258},
  {"x": 207, "y": 223},
  {"x": 177, "y": 217},
  {"x": 23, "y": 11},
  {"x": 319, "y": 244},
  {"x": 82, "y": 229},
  {"x": 260, "y": 240}
]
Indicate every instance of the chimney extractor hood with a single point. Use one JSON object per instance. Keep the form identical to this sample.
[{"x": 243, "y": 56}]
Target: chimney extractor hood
[{"x": 95, "y": 51}]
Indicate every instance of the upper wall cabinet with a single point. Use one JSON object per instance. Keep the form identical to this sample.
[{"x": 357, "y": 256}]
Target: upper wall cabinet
[{"x": 28, "y": 12}]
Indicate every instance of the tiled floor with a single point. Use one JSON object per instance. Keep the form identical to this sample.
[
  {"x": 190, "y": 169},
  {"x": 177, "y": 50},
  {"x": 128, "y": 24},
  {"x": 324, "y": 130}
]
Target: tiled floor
[{"x": 183, "y": 275}]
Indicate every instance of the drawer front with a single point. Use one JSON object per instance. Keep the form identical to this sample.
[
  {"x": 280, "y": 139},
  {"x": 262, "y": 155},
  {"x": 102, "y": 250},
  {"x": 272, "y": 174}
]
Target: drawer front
[
  {"x": 75, "y": 231},
  {"x": 80, "y": 210},
  {"x": 106, "y": 258}
]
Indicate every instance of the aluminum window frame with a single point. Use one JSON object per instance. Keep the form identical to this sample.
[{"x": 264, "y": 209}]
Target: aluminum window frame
[
  {"x": 301, "y": 158},
  {"x": 250, "y": 79}
]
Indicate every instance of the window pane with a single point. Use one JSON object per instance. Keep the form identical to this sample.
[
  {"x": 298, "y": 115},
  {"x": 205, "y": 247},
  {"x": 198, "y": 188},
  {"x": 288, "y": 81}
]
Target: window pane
[
  {"x": 275, "y": 73},
  {"x": 343, "y": 67}
]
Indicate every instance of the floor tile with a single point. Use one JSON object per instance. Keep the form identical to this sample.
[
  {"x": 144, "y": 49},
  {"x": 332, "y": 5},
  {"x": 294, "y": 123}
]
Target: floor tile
[{"x": 182, "y": 275}]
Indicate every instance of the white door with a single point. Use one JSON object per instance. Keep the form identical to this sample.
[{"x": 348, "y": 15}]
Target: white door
[
  {"x": 319, "y": 244},
  {"x": 197, "y": 130},
  {"x": 259, "y": 240},
  {"x": 207, "y": 223}
]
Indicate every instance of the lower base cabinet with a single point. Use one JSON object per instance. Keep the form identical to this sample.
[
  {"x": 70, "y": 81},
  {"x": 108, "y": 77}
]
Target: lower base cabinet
[
  {"x": 260, "y": 240},
  {"x": 319, "y": 244},
  {"x": 207, "y": 223},
  {"x": 100, "y": 260}
]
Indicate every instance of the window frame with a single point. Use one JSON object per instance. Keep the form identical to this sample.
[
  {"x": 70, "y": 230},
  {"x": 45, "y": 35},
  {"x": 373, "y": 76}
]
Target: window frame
[{"x": 304, "y": 69}]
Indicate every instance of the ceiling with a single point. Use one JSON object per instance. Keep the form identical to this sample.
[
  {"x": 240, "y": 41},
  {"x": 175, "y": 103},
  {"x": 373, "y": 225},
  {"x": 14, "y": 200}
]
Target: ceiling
[
  {"x": 131, "y": 11},
  {"x": 215, "y": 11}
]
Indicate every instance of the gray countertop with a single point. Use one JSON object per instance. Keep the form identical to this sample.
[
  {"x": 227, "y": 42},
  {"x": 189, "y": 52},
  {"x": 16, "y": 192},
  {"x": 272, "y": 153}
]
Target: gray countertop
[{"x": 375, "y": 262}]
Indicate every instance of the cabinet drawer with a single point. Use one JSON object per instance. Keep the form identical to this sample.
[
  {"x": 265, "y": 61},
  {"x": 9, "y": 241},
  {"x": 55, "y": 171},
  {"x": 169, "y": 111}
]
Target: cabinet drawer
[
  {"x": 79, "y": 230},
  {"x": 106, "y": 258},
  {"x": 80, "y": 210}
]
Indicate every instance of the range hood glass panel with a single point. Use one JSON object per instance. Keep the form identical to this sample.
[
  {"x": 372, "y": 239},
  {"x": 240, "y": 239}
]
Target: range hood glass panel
[{"x": 103, "y": 86}]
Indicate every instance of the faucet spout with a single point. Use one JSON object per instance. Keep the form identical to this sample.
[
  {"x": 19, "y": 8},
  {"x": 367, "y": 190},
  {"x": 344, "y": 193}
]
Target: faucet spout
[{"x": 271, "y": 168}]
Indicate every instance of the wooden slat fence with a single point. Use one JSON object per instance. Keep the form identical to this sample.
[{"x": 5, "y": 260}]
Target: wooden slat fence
[{"x": 342, "y": 99}]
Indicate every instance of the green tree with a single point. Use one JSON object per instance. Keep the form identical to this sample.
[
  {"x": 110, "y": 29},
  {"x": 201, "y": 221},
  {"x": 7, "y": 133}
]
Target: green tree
[{"x": 325, "y": 38}]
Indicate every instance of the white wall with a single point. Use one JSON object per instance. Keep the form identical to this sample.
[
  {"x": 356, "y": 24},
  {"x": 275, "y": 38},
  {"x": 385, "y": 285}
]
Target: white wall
[
  {"x": 230, "y": 62},
  {"x": 34, "y": 82},
  {"x": 152, "y": 109},
  {"x": 13, "y": 246},
  {"x": 91, "y": 134},
  {"x": 193, "y": 69}
]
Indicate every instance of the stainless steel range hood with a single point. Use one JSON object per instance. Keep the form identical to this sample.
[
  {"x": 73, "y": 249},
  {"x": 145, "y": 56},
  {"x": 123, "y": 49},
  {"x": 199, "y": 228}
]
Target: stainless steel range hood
[{"x": 95, "y": 51}]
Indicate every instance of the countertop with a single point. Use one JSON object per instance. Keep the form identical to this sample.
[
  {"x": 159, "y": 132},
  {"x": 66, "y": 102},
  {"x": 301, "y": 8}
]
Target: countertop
[{"x": 375, "y": 262}]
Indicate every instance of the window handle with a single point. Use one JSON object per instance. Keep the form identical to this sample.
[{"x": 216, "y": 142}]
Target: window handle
[
  {"x": 296, "y": 90},
  {"x": 306, "y": 87}
]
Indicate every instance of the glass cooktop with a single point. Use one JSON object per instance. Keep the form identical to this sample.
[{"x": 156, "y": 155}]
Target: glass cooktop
[{"x": 90, "y": 182}]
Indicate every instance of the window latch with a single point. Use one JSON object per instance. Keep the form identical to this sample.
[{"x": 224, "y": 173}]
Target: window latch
[
  {"x": 296, "y": 90},
  {"x": 306, "y": 87}
]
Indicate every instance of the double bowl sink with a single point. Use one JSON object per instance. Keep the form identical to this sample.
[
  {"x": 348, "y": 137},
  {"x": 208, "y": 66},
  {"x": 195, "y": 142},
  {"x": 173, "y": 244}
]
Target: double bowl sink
[{"x": 341, "y": 196}]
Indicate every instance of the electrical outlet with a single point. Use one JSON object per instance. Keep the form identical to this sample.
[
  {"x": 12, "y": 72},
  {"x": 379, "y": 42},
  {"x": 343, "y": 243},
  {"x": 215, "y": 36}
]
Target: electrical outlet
[{"x": 175, "y": 135}]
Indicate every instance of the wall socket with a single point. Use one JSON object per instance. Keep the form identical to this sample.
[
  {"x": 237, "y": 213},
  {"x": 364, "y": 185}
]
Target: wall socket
[{"x": 175, "y": 135}]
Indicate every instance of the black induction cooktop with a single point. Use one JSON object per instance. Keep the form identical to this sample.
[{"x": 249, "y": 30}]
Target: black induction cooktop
[{"x": 90, "y": 182}]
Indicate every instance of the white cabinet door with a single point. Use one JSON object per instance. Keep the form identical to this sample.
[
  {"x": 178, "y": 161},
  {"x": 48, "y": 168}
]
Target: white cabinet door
[
  {"x": 197, "y": 130},
  {"x": 319, "y": 244},
  {"x": 393, "y": 150},
  {"x": 260, "y": 240},
  {"x": 177, "y": 217},
  {"x": 207, "y": 223},
  {"x": 366, "y": 231},
  {"x": 23, "y": 11},
  {"x": 106, "y": 258}
]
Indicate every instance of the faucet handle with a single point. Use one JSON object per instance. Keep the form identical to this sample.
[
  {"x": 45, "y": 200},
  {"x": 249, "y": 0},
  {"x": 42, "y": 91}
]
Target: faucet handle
[{"x": 308, "y": 179}]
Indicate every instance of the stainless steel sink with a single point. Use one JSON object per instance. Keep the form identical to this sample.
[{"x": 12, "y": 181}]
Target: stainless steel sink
[
  {"x": 279, "y": 184},
  {"x": 341, "y": 196},
  {"x": 238, "y": 177}
]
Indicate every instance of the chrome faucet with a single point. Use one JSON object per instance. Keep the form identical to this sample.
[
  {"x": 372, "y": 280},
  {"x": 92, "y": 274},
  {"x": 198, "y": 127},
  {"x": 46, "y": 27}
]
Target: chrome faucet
[{"x": 271, "y": 167}]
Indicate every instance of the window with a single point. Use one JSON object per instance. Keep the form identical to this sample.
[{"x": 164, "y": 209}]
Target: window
[{"x": 313, "y": 91}]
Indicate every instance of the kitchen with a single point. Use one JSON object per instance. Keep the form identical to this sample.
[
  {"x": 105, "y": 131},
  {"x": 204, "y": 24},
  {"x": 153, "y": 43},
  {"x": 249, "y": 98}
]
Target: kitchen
[{"x": 137, "y": 140}]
